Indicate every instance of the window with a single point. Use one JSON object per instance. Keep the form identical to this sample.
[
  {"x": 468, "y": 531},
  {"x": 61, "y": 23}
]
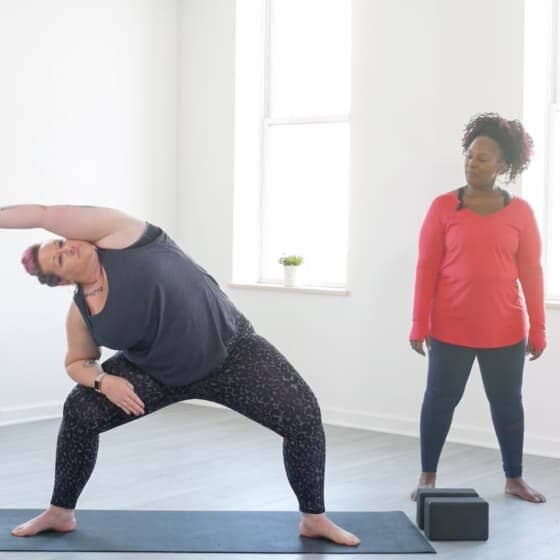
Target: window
[
  {"x": 541, "y": 185},
  {"x": 553, "y": 153},
  {"x": 292, "y": 138}
]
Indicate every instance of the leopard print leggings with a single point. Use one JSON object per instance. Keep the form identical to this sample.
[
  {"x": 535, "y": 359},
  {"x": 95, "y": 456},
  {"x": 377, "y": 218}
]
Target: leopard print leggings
[{"x": 255, "y": 380}]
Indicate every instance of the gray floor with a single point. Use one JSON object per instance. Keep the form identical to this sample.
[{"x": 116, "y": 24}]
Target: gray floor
[{"x": 191, "y": 457}]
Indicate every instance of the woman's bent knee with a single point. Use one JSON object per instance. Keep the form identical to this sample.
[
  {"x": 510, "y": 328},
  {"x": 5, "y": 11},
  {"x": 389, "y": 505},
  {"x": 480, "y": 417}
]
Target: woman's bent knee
[{"x": 85, "y": 407}]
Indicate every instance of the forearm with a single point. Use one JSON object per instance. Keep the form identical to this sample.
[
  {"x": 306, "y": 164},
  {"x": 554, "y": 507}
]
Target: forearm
[
  {"x": 533, "y": 290},
  {"x": 425, "y": 287},
  {"x": 23, "y": 216},
  {"x": 84, "y": 372},
  {"x": 115, "y": 388},
  {"x": 531, "y": 278}
]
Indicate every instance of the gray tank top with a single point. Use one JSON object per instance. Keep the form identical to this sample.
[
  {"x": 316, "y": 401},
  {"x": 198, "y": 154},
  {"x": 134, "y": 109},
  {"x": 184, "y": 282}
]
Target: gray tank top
[{"x": 163, "y": 311}]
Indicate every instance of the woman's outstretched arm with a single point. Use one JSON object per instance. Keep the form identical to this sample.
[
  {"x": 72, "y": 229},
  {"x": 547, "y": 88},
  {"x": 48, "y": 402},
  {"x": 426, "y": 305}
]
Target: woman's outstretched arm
[{"x": 88, "y": 223}]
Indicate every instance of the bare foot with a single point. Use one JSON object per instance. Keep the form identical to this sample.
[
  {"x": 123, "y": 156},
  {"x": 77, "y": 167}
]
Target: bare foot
[
  {"x": 518, "y": 487},
  {"x": 427, "y": 480},
  {"x": 319, "y": 525},
  {"x": 52, "y": 519}
]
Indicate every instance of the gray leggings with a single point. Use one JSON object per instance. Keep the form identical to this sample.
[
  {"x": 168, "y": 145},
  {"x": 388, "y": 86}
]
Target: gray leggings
[{"x": 254, "y": 380}]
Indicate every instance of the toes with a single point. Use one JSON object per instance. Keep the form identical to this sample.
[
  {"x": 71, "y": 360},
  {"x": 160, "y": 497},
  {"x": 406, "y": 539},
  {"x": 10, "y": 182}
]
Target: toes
[
  {"x": 350, "y": 539},
  {"x": 528, "y": 496},
  {"x": 532, "y": 497}
]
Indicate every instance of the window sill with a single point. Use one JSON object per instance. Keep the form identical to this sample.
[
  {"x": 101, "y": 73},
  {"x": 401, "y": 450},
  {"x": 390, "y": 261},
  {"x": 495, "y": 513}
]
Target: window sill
[
  {"x": 552, "y": 303},
  {"x": 321, "y": 290}
]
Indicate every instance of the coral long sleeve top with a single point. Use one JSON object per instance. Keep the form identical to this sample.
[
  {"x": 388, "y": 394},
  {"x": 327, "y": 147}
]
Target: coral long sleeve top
[{"x": 470, "y": 268}]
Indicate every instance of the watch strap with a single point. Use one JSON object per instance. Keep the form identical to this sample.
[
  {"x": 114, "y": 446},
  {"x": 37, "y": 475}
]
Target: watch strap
[{"x": 97, "y": 381}]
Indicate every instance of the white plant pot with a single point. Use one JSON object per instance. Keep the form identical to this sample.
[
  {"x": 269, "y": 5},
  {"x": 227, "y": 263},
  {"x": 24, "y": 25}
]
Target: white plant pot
[{"x": 291, "y": 276}]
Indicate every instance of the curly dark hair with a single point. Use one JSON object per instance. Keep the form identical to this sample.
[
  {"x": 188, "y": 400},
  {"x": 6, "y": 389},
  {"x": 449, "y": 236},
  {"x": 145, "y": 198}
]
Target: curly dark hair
[
  {"x": 30, "y": 261},
  {"x": 514, "y": 141}
]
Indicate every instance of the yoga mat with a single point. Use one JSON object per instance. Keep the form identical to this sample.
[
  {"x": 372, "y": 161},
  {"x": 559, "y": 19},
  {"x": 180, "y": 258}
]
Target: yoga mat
[{"x": 213, "y": 532}]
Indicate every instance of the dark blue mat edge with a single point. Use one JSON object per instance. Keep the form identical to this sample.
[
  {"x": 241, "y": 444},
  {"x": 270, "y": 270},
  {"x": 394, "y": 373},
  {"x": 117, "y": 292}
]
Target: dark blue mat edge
[{"x": 307, "y": 546}]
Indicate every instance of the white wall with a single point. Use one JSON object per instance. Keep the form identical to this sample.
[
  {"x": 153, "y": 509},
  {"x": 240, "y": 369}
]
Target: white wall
[
  {"x": 88, "y": 106},
  {"x": 420, "y": 70},
  {"x": 206, "y": 115},
  {"x": 89, "y": 113}
]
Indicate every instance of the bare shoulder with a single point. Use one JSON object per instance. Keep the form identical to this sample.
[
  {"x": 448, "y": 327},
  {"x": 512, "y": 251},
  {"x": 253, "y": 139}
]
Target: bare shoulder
[
  {"x": 74, "y": 317},
  {"x": 125, "y": 236},
  {"x": 81, "y": 344}
]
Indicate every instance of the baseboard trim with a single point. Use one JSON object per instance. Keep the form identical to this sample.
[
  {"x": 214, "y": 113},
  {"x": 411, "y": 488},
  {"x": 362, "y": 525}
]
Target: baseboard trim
[
  {"x": 469, "y": 435},
  {"x": 33, "y": 413},
  {"x": 399, "y": 425}
]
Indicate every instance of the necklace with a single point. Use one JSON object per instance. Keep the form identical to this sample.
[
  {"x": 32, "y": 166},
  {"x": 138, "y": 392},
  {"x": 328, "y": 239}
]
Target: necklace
[
  {"x": 94, "y": 291},
  {"x": 97, "y": 290}
]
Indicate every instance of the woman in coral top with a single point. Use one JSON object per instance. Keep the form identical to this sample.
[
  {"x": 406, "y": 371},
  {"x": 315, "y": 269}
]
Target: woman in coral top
[{"x": 477, "y": 244}]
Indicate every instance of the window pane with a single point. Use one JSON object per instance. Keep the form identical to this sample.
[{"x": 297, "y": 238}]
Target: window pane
[
  {"x": 553, "y": 238},
  {"x": 305, "y": 200},
  {"x": 557, "y": 100},
  {"x": 310, "y": 57}
]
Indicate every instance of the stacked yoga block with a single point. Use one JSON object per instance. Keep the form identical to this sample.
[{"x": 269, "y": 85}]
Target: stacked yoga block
[{"x": 452, "y": 514}]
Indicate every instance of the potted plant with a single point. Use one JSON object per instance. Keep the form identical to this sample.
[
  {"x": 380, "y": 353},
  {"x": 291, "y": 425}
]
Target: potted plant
[{"x": 291, "y": 264}]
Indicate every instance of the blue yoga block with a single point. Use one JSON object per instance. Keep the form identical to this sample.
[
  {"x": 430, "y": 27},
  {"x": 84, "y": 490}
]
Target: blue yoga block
[
  {"x": 424, "y": 493},
  {"x": 456, "y": 519}
]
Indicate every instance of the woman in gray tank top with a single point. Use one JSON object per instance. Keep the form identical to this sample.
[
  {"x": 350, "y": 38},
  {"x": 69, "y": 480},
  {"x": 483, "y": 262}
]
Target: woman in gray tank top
[{"x": 177, "y": 336}]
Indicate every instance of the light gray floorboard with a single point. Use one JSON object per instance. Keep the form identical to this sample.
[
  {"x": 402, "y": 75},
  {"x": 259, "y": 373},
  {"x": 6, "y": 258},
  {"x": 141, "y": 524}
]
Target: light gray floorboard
[{"x": 195, "y": 458}]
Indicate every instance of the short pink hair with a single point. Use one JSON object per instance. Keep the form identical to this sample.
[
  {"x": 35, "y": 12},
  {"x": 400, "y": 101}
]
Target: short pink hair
[{"x": 30, "y": 261}]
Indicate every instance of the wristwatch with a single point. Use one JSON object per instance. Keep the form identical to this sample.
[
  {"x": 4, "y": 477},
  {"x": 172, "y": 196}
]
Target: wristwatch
[{"x": 97, "y": 382}]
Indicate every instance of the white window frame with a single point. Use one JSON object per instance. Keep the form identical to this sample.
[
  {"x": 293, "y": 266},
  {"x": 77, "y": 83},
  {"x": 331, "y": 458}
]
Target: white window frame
[
  {"x": 539, "y": 110},
  {"x": 246, "y": 274},
  {"x": 552, "y": 144}
]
